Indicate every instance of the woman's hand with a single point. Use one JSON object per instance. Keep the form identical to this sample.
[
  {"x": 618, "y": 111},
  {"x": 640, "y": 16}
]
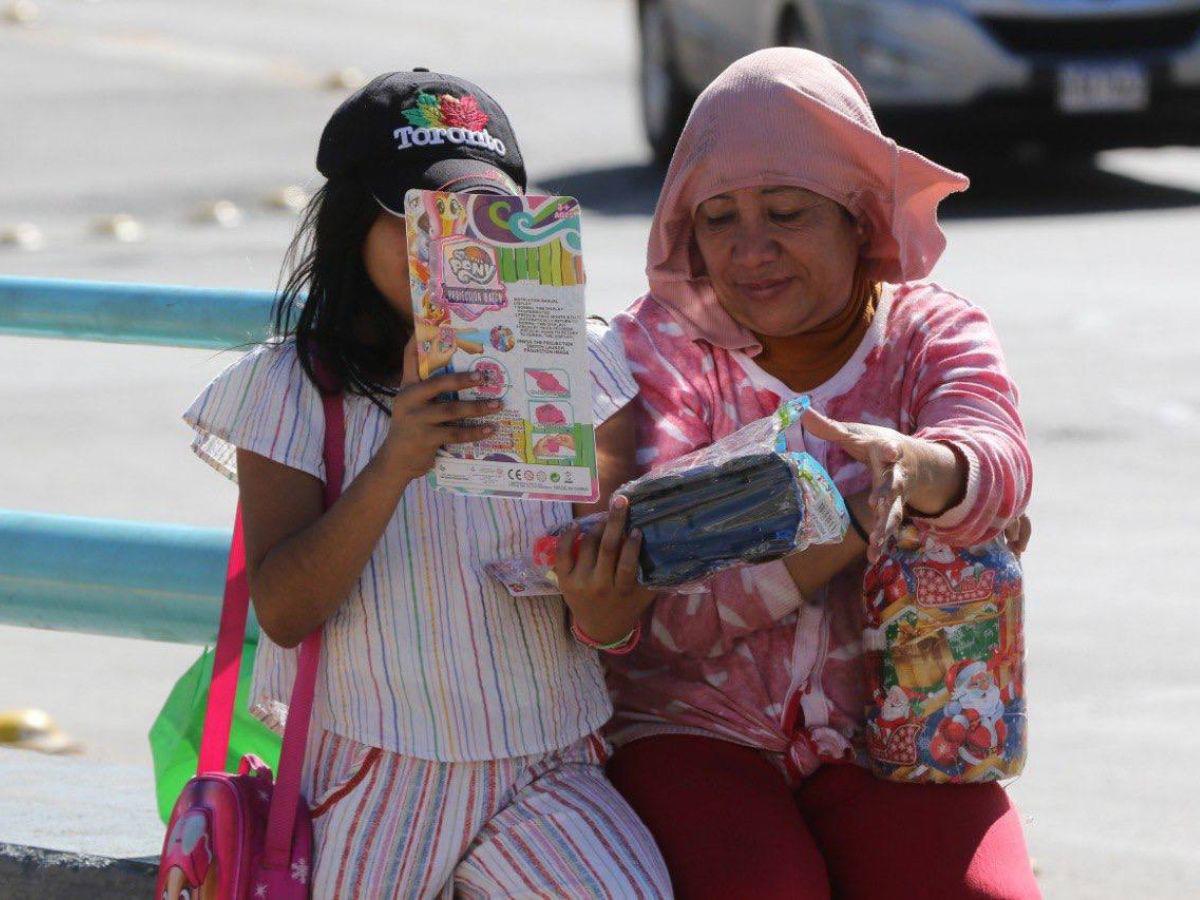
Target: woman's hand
[
  {"x": 599, "y": 583},
  {"x": 1018, "y": 533},
  {"x": 907, "y": 473},
  {"x": 421, "y": 423}
]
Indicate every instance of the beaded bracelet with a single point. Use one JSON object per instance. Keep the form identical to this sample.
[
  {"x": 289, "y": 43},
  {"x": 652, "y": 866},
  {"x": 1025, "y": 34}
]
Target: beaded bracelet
[{"x": 616, "y": 648}]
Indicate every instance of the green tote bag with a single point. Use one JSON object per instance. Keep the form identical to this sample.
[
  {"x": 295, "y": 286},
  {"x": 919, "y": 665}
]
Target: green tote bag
[{"x": 175, "y": 734}]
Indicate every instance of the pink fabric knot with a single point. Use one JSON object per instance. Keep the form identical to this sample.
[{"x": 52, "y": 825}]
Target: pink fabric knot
[{"x": 810, "y": 748}]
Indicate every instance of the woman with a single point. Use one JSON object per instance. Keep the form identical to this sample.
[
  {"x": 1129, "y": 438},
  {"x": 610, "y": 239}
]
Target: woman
[{"x": 783, "y": 212}]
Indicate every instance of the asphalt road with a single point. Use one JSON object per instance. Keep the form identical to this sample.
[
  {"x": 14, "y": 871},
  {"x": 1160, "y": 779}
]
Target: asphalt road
[{"x": 154, "y": 108}]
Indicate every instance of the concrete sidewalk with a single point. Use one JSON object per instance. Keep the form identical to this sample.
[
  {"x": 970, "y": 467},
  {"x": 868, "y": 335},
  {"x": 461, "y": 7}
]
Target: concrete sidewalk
[
  {"x": 78, "y": 805},
  {"x": 76, "y": 827}
]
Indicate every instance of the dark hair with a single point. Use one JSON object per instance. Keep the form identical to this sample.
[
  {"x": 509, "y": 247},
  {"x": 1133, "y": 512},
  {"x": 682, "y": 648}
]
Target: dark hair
[{"x": 329, "y": 303}]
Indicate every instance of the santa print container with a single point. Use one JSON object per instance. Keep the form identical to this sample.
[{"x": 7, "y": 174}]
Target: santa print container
[{"x": 944, "y": 648}]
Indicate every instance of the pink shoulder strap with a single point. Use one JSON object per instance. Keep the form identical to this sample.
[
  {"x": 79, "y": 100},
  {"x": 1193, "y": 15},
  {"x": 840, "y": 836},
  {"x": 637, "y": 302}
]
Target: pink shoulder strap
[
  {"x": 214, "y": 744},
  {"x": 227, "y": 658},
  {"x": 282, "y": 817}
]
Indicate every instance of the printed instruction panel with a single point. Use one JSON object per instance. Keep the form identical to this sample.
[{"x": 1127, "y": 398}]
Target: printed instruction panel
[{"x": 498, "y": 288}]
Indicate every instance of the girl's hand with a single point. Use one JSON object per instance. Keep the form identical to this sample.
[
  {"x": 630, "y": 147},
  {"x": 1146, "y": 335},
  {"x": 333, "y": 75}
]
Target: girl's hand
[
  {"x": 925, "y": 477},
  {"x": 600, "y": 583},
  {"x": 421, "y": 424}
]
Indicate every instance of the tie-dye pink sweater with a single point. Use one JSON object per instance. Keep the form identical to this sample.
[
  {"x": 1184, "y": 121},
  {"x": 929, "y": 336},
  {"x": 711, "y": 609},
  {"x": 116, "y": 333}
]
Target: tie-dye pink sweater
[{"x": 748, "y": 660}]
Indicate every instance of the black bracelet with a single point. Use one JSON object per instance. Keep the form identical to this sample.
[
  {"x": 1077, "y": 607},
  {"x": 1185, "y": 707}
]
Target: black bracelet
[{"x": 857, "y": 526}]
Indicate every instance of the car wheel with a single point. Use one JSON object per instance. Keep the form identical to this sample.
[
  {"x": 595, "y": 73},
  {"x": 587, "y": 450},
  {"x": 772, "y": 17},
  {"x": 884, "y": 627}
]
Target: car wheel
[{"x": 665, "y": 100}]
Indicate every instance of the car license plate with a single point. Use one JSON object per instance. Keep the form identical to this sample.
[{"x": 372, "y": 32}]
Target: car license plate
[{"x": 1091, "y": 88}]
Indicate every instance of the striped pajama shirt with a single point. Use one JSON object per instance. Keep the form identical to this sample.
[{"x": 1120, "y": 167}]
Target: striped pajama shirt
[{"x": 478, "y": 712}]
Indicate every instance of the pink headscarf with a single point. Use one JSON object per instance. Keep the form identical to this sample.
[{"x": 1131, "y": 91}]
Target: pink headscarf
[{"x": 792, "y": 117}]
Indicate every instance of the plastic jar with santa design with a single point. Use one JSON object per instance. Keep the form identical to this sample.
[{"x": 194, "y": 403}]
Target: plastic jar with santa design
[{"x": 943, "y": 644}]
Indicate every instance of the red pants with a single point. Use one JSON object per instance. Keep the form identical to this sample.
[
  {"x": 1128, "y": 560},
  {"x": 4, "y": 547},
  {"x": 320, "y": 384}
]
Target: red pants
[{"x": 729, "y": 827}]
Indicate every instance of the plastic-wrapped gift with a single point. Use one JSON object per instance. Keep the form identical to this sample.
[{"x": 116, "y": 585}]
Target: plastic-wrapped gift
[
  {"x": 744, "y": 499},
  {"x": 945, "y": 657},
  {"x": 748, "y": 509}
]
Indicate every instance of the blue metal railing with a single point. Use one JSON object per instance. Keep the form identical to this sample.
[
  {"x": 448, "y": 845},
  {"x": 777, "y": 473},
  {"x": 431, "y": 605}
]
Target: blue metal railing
[
  {"x": 133, "y": 313},
  {"x": 102, "y": 576}
]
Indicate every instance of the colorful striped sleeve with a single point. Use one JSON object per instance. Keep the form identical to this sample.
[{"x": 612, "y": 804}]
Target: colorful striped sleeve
[
  {"x": 613, "y": 385},
  {"x": 960, "y": 393},
  {"x": 263, "y": 403}
]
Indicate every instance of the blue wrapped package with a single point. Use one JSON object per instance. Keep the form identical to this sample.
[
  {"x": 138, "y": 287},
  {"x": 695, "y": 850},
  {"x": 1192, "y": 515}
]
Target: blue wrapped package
[
  {"x": 742, "y": 500},
  {"x": 749, "y": 509}
]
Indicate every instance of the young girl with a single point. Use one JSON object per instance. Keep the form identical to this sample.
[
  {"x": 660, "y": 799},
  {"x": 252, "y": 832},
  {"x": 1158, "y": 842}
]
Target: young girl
[{"x": 453, "y": 746}]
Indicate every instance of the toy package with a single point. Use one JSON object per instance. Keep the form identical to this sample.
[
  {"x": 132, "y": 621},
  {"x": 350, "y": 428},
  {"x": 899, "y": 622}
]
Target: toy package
[
  {"x": 945, "y": 660},
  {"x": 742, "y": 500},
  {"x": 497, "y": 287}
]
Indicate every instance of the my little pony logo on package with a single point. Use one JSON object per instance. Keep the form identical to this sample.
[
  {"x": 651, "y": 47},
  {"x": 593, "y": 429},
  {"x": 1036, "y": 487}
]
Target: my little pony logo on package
[
  {"x": 944, "y": 649},
  {"x": 468, "y": 278},
  {"x": 452, "y": 269}
]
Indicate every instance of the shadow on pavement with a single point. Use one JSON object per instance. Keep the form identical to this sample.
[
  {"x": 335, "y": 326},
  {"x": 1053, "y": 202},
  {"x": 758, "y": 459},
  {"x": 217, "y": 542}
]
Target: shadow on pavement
[
  {"x": 1060, "y": 188},
  {"x": 625, "y": 190},
  {"x": 998, "y": 190}
]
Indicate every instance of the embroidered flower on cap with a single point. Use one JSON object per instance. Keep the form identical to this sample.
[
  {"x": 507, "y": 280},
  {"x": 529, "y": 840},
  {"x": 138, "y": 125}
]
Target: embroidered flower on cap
[{"x": 446, "y": 111}]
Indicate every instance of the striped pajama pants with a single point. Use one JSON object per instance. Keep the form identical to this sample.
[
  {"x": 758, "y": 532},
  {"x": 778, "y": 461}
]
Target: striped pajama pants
[{"x": 552, "y": 826}]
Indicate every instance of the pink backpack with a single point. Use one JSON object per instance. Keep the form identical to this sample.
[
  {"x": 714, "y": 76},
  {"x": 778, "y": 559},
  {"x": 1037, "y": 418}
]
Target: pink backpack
[{"x": 245, "y": 836}]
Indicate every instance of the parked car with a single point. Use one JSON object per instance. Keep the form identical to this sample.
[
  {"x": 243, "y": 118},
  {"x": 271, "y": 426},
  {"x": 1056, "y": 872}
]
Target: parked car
[{"x": 1076, "y": 74}]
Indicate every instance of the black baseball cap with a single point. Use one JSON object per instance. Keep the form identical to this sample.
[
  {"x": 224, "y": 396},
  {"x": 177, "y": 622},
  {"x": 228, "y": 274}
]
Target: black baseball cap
[{"x": 422, "y": 129}]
